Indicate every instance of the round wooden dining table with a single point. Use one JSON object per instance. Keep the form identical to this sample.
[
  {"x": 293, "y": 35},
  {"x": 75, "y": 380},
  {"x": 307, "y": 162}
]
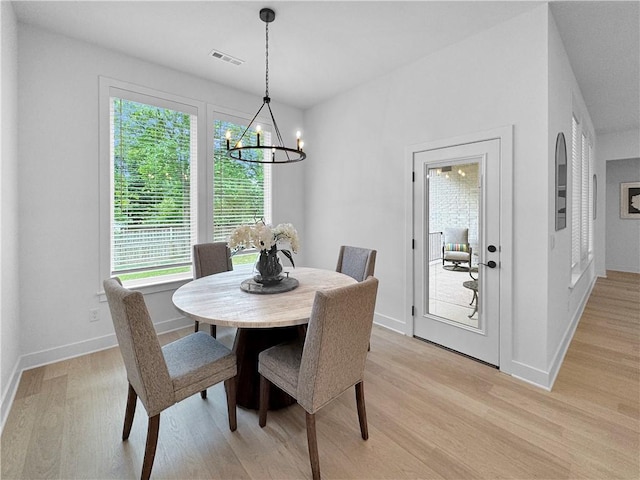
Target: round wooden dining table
[{"x": 263, "y": 319}]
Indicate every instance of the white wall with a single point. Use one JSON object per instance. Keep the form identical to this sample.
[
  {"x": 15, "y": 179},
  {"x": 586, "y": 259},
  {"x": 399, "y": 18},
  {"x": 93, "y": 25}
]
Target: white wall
[
  {"x": 9, "y": 271},
  {"x": 355, "y": 185},
  {"x": 622, "y": 235},
  {"x": 565, "y": 302},
  {"x": 610, "y": 146},
  {"x": 59, "y": 194}
]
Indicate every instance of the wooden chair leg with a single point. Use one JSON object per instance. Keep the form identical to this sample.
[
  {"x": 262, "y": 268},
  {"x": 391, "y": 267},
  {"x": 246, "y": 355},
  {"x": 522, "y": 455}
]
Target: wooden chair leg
[
  {"x": 362, "y": 413},
  {"x": 264, "y": 401},
  {"x": 132, "y": 398},
  {"x": 230, "y": 387},
  {"x": 150, "y": 449},
  {"x": 312, "y": 441},
  {"x": 197, "y": 326},
  {"x": 213, "y": 330}
]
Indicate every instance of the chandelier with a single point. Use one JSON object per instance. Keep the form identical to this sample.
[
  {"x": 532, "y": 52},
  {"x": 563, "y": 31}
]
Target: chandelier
[{"x": 260, "y": 153}]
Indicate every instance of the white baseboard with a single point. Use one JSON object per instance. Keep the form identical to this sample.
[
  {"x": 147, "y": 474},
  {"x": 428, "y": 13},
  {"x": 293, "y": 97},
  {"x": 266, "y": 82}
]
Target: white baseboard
[
  {"x": 531, "y": 375},
  {"x": 9, "y": 394},
  {"x": 389, "y": 323},
  {"x": 65, "y": 352},
  {"x": 546, "y": 379},
  {"x": 563, "y": 347},
  {"x": 45, "y": 357}
]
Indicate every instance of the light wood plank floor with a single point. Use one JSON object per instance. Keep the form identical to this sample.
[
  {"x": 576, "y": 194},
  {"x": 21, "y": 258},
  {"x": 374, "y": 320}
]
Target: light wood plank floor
[{"x": 432, "y": 414}]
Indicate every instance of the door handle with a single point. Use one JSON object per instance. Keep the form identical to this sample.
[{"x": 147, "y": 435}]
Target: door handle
[{"x": 490, "y": 264}]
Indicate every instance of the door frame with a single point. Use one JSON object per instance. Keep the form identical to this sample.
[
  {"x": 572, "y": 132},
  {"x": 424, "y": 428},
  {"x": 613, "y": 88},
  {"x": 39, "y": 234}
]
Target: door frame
[{"x": 505, "y": 136}]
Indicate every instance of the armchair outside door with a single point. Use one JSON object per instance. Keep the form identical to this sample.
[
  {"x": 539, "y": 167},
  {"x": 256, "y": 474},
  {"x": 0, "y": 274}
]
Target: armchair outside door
[{"x": 456, "y": 248}]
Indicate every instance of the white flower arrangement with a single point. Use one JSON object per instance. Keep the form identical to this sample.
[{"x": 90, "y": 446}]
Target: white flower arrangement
[{"x": 265, "y": 238}]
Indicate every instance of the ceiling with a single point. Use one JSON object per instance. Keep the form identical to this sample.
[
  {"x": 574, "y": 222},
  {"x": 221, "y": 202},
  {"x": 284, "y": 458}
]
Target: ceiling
[
  {"x": 318, "y": 49},
  {"x": 602, "y": 40}
]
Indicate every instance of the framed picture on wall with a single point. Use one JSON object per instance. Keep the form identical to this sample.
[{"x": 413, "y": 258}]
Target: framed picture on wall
[{"x": 630, "y": 200}]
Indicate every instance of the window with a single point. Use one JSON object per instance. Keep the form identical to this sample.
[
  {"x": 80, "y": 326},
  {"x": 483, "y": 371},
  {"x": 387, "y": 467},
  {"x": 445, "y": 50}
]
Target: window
[
  {"x": 575, "y": 193},
  {"x": 581, "y": 196},
  {"x": 584, "y": 199},
  {"x": 153, "y": 207},
  {"x": 241, "y": 190},
  {"x": 166, "y": 184},
  {"x": 590, "y": 201}
]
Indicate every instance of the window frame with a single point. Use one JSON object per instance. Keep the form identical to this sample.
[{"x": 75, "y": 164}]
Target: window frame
[{"x": 109, "y": 87}]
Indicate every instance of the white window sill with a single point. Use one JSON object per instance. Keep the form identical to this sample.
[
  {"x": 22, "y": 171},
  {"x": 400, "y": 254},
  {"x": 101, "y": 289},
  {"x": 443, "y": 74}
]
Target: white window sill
[
  {"x": 579, "y": 271},
  {"x": 166, "y": 283},
  {"x": 147, "y": 285}
]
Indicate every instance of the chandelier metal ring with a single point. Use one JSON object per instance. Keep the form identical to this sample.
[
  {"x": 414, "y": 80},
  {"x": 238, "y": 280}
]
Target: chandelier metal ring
[{"x": 291, "y": 154}]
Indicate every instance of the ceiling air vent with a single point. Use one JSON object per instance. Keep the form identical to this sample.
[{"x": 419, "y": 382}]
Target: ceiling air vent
[{"x": 225, "y": 58}]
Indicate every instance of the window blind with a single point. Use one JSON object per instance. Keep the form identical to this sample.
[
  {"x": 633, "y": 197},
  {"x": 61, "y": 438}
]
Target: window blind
[
  {"x": 590, "y": 217},
  {"x": 241, "y": 190},
  {"x": 153, "y": 160},
  {"x": 576, "y": 198},
  {"x": 584, "y": 200},
  {"x": 582, "y": 208}
]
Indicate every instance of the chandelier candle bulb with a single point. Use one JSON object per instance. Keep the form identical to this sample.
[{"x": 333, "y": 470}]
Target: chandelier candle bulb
[
  {"x": 228, "y": 137},
  {"x": 258, "y": 130}
]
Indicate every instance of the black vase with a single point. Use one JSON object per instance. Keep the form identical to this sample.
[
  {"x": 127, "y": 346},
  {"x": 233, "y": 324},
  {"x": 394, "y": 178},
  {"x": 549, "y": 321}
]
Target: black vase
[{"x": 269, "y": 267}]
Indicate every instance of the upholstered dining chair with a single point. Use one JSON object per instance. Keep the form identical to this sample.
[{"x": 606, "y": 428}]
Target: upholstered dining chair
[
  {"x": 210, "y": 258},
  {"x": 356, "y": 262},
  {"x": 163, "y": 376},
  {"x": 329, "y": 361},
  {"x": 455, "y": 247}
]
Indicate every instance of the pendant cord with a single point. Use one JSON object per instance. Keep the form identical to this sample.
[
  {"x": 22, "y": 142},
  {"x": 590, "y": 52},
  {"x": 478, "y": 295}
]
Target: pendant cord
[{"x": 266, "y": 60}]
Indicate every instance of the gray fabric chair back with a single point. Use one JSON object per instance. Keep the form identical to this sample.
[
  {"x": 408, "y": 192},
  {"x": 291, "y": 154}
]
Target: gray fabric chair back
[
  {"x": 335, "y": 348},
  {"x": 143, "y": 359},
  {"x": 456, "y": 235},
  {"x": 210, "y": 258},
  {"x": 358, "y": 263}
]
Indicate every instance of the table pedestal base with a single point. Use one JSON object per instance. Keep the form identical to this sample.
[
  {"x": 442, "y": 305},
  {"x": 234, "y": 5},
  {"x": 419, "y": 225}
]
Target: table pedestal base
[{"x": 248, "y": 344}]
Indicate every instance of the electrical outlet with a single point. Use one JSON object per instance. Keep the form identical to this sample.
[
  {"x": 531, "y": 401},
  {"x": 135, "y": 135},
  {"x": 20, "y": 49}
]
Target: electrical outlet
[{"x": 94, "y": 315}]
